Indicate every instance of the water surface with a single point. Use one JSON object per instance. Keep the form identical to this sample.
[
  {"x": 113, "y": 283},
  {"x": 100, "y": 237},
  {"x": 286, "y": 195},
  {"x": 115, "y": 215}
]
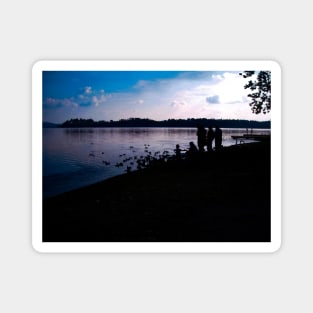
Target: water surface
[{"x": 77, "y": 157}]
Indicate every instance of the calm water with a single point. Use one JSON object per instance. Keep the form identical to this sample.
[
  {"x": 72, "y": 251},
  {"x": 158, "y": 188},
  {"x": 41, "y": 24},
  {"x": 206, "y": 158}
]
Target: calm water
[{"x": 77, "y": 157}]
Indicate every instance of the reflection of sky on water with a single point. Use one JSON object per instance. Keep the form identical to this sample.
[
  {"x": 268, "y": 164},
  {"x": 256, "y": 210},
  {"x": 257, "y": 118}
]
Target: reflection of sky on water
[{"x": 77, "y": 157}]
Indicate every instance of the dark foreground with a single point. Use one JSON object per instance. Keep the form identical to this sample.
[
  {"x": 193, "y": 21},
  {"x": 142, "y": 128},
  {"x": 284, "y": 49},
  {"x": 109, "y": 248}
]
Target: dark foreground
[{"x": 224, "y": 197}]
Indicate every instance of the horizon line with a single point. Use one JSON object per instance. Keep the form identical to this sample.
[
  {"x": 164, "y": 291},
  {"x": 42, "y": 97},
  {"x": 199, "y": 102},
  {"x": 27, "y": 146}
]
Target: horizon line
[{"x": 146, "y": 118}]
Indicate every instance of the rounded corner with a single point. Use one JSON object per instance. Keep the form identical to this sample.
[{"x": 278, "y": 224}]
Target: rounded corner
[
  {"x": 37, "y": 65},
  {"x": 276, "y": 247},
  {"x": 276, "y": 65},
  {"x": 36, "y": 247}
]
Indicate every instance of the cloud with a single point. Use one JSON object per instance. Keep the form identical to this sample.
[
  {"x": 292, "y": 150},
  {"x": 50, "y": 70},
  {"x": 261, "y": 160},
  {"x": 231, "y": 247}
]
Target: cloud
[
  {"x": 213, "y": 99},
  {"x": 88, "y": 90},
  {"x": 88, "y": 98},
  {"x": 51, "y": 103},
  {"x": 141, "y": 84},
  {"x": 178, "y": 103},
  {"x": 218, "y": 77},
  {"x": 98, "y": 100}
]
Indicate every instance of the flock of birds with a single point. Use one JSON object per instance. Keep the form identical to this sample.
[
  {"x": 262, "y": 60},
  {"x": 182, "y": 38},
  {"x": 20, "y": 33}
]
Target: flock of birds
[{"x": 140, "y": 162}]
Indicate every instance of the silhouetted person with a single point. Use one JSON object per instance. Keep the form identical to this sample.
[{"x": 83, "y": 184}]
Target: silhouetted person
[
  {"x": 210, "y": 137},
  {"x": 178, "y": 152},
  {"x": 201, "y": 134},
  {"x": 218, "y": 138},
  {"x": 192, "y": 151}
]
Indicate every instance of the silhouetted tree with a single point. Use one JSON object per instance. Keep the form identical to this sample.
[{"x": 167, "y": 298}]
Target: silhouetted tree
[
  {"x": 261, "y": 91},
  {"x": 139, "y": 122}
]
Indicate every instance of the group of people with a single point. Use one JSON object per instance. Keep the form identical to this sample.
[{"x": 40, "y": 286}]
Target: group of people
[{"x": 206, "y": 137}]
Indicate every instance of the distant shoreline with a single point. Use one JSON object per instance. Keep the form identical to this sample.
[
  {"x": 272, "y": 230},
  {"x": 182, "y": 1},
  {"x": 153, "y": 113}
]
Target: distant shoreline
[{"x": 139, "y": 122}]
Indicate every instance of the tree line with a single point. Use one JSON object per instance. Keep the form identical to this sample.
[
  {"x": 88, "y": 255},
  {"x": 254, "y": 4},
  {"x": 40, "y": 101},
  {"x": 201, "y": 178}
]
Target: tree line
[{"x": 145, "y": 122}]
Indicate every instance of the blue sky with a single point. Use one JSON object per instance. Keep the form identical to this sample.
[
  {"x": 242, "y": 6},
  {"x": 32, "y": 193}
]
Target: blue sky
[{"x": 158, "y": 95}]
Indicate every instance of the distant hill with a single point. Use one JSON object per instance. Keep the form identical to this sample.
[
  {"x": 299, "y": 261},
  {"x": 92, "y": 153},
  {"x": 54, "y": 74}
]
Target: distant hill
[
  {"x": 139, "y": 122},
  {"x": 50, "y": 125}
]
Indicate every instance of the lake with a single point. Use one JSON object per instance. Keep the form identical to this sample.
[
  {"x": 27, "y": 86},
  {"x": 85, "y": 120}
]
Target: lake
[{"x": 77, "y": 157}]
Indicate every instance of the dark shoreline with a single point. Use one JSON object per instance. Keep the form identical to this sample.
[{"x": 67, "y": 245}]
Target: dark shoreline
[
  {"x": 145, "y": 122},
  {"x": 222, "y": 197}
]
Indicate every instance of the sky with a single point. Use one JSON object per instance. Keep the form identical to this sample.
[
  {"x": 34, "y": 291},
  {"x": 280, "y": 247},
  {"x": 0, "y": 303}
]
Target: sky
[{"x": 157, "y": 95}]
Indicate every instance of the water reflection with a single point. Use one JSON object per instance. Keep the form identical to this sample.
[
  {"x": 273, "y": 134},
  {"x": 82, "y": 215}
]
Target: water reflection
[{"x": 75, "y": 157}]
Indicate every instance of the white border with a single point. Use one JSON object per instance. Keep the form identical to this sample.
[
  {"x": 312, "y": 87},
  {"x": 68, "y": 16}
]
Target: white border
[{"x": 140, "y": 247}]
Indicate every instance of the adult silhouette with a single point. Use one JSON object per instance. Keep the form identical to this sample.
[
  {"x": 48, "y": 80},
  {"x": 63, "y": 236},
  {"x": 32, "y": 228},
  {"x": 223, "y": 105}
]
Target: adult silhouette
[
  {"x": 210, "y": 137},
  {"x": 201, "y": 134},
  {"x": 218, "y": 138}
]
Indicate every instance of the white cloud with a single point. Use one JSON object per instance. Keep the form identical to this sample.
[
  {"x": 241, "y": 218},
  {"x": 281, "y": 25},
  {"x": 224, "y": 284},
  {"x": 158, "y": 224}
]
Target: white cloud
[
  {"x": 98, "y": 100},
  {"x": 90, "y": 97},
  {"x": 88, "y": 90},
  {"x": 217, "y": 77},
  {"x": 56, "y": 103},
  {"x": 178, "y": 103},
  {"x": 141, "y": 84}
]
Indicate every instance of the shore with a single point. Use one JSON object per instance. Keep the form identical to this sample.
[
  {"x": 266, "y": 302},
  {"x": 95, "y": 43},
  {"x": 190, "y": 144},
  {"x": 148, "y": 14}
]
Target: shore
[{"x": 219, "y": 197}]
